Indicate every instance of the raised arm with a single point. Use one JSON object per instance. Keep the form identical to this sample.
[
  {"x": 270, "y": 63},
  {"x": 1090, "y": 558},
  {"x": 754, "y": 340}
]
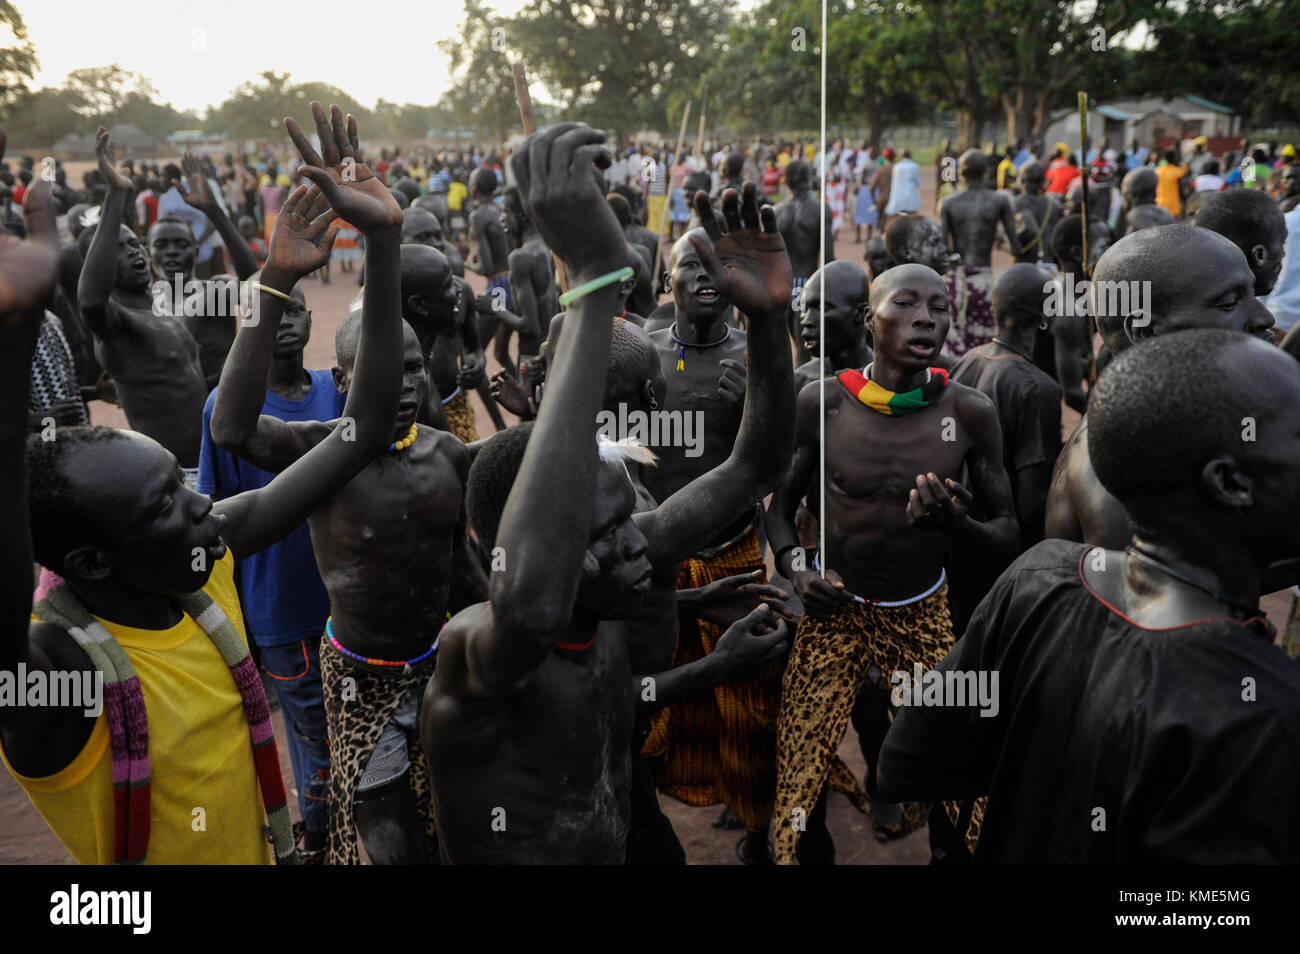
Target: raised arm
[
  {"x": 201, "y": 197},
  {"x": 545, "y": 527},
  {"x": 750, "y": 265},
  {"x": 27, "y": 273},
  {"x": 301, "y": 243},
  {"x": 258, "y": 518},
  {"x": 99, "y": 272}
]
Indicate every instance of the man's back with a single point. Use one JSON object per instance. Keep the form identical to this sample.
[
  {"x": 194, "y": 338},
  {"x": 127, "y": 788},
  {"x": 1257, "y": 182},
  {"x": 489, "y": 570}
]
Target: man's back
[{"x": 1112, "y": 743}]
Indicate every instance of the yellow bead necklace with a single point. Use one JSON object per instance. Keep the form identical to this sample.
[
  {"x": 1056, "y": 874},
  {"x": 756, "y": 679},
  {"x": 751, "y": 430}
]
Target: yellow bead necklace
[{"x": 406, "y": 441}]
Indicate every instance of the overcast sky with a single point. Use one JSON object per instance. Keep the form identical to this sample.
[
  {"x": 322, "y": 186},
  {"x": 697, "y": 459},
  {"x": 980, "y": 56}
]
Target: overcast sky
[{"x": 196, "y": 53}]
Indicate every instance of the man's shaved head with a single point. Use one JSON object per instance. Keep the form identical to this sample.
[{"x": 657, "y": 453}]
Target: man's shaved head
[
  {"x": 1252, "y": 221},
  {"x": 420, "y": 227},
  {"x": 1165, "y": 423},
  {"x": 1139, "y": 186},
  {"x": 973, "y": 165},
  {"x": 909, "y": 275},
  {"x": 1195, "y": 278}
]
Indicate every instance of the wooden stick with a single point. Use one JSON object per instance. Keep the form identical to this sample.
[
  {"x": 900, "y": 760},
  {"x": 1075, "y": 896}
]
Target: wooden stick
[
  {"x": 668, "y": 198},
  {"x": 704, "y": 105},
  {"x": 1083, "y": 181},
  {"x": 521, "y": 96}
]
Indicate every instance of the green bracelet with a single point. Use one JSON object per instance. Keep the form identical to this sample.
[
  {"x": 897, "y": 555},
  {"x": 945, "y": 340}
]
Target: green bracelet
[{"x": 573, "y": 294}]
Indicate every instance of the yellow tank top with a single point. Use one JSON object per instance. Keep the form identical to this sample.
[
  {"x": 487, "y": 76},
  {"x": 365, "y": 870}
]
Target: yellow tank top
[{"x": 205, "y": 804}]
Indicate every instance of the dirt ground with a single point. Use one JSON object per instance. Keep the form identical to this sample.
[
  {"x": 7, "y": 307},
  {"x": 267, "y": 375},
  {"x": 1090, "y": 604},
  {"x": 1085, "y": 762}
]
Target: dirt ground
[{"x": 25, "y": 839}]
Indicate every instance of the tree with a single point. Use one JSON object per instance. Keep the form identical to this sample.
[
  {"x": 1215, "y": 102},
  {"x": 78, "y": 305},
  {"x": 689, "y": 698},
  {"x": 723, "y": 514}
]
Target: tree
[
  {"x": 614, "y": 63},
  {"x": 17, "y": 63}
]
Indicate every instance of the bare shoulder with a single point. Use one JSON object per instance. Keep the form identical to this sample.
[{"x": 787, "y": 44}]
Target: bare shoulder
[
  {"x": 973, "y": 407},
  {"x": 453, "y": 450}
]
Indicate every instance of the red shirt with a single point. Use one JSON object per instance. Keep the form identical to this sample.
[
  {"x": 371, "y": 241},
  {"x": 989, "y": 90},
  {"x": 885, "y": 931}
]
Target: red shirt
[
  {"x": 20, "y": 190},
  {"x": 1060, "y": 179}
]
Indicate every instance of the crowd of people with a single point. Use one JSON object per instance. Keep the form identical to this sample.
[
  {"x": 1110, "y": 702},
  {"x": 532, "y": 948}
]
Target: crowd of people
[{"x": 755, "y": 493}]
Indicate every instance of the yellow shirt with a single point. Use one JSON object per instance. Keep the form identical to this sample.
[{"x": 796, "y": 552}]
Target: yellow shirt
[
  {"x": 200, "y": 754},
  {"x": 783, "y": 159},
  {"x": 456, "y": 193},
  {"x": 1006, "y": 174},
  {"x": 1167, "y": 193}
]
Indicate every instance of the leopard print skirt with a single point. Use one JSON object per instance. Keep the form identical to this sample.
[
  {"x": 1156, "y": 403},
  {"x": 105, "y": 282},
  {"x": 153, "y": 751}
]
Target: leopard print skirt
[{"x": 828, "y": 665}]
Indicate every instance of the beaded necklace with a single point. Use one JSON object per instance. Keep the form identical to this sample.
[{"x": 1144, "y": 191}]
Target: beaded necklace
[
  {"x": 406, "y": 441},
  {"x": 682, "y": 345}
]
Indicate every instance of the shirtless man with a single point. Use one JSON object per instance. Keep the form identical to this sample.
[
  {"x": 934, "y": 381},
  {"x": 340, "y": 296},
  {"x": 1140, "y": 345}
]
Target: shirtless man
[
  {"x": 172, "y": 250},
  {"x": 847, "y": 303},
  {"x": 153, "y": 360},
  {"x": 1065, "y": 352},
  {"x": 753, "y": 271},
  {"x": 1140, "y": 209},
  {"x": 1254, "y": 223},
  {"x": 1123, "y": 670},
  {"x": 703, "y": 360},
  {"x": 448, "y": 330},
  {"x": 970, "y": 221},
  {"x": 917, "y": 240},
  {"x": 142, "y": 556},
  {"x": 485, "y": 224},
  {"x": 891, "y": 517},
  {"x": 390, "y": 546},
  {"x": 1037, "y": 213},
  {"x": 798, "y": 218},
  {"x": 532, "y": 276},
  {"x": 1198, "y": 279},
  {"x": 527, "y": 718},
  {"x": 420, "y": 226}
]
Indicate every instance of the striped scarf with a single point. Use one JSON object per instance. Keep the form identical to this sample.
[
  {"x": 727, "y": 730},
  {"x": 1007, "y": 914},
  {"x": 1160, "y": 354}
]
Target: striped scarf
[
  {"x": 128, "y": 722},
  {"x": 860, "y": 385}
]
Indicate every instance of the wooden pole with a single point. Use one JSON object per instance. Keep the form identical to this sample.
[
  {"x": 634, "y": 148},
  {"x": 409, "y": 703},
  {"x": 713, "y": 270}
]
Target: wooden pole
[
  {"x": 521, "y": 96},
  {"x": 1083, "y": 181},
  {"x": 704, "y": 105},
  {"x": 668, "y": 201}
]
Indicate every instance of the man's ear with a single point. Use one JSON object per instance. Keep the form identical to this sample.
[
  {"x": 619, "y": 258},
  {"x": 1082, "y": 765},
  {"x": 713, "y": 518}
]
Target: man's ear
[
  {"x": 1258, "y": 255},
  {"x": 1137, "y": 333},
  {"x": 668, "y": 282},
  {"x": 341, "y": 379},
  {"x": 415, "y": 305},
  {"x": 648, "y": 395},
  {"x": 87, "y": 563},
  {"x": 1227, "y": 482}
]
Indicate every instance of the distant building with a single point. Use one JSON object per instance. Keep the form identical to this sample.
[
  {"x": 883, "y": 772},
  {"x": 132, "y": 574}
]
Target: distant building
[{"x": 1151, "y": 120}]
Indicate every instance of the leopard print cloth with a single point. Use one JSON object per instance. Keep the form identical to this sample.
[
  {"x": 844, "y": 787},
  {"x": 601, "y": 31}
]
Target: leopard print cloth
[
  {"x": 460, "y": 418},
  {"x": 827, "y": 667},
  {"x": 719, "y": 746},
  {"x": 359, "y": 702}
]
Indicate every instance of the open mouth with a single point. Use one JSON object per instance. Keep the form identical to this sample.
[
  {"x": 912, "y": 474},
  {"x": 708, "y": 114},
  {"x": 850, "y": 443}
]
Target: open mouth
[
  {"x": 707, "y": 294},
  {"x": 921, "y": 347},
  {"x": 643, "y": 584}
]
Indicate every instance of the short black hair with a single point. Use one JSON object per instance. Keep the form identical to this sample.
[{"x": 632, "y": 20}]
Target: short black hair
[
  {"x": 1159, "y": 412},
  {"x": 622, "y": 210},
  {"x": 1068, "y": 232},
  {"x": 483, "y": 180},
  {"x": 1245, "y": 217},
  {"x": 59, "y": 521},
  {"x": 170, "y": 219},
  {"x": 490, "y": 478},
  {"x": 346, "y": 337},
  {"x": 901, "y": 232}
]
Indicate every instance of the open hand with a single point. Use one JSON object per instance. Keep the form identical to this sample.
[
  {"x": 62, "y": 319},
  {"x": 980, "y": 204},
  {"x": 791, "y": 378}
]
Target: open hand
[
  {"x": 937, "y": 505},
  {"x": 752, "y": 644},
  {"x": 304, "y": 234},
  {"x": 510, "y": 394},
  {"x": 748, "y": 261},
  {"x": 106, "y": 153},
  {"x": 556, "y": 173},
  {"x": 724, "y": 601},
  {"x": 200, "y": 193},
  {"x": 353, "y": 191}
]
